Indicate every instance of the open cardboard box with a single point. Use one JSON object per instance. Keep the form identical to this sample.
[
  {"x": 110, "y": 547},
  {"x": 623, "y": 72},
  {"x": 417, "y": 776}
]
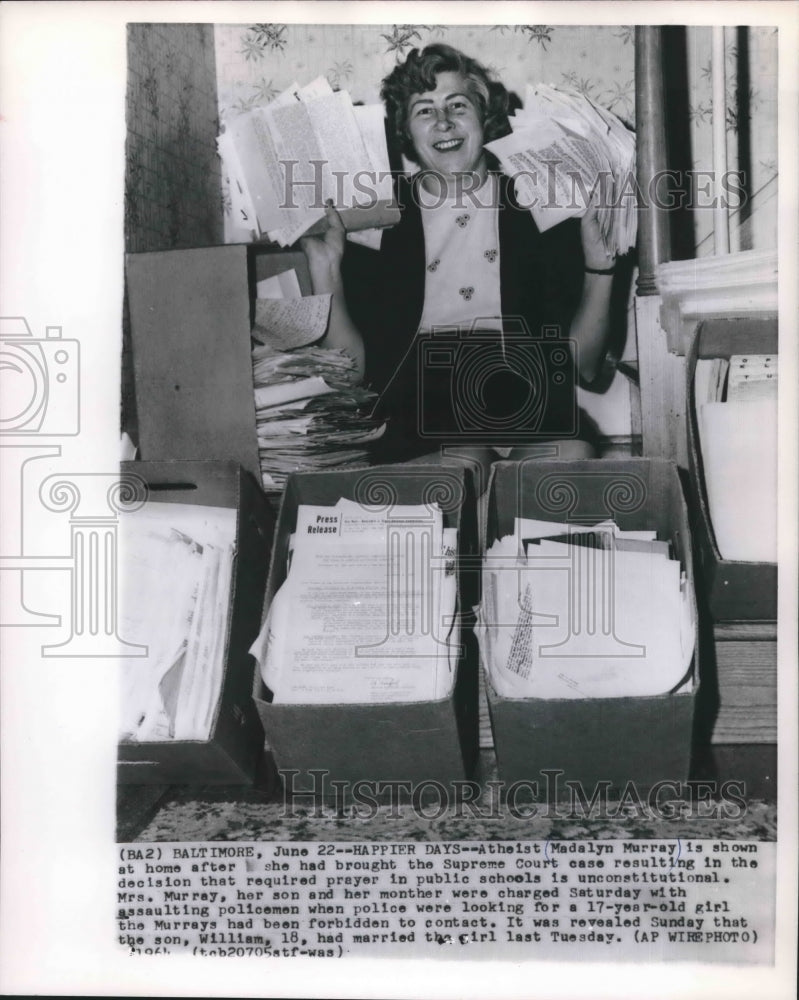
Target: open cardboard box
[
  {"x": 191, "y": 314},
  {"x": 397, "y": 741},
  {"x": 735, "y": 591},
  {"x": 235, "y": 746},
  {"x": 642, "y": 740}
]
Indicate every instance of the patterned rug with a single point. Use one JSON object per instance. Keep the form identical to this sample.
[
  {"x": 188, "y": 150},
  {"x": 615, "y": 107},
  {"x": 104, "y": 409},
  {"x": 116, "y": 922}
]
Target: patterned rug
[{"x": 226, "y": 814}]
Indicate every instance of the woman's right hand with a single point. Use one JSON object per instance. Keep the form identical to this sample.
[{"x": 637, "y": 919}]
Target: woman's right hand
[{"x": 325, "y": 252}]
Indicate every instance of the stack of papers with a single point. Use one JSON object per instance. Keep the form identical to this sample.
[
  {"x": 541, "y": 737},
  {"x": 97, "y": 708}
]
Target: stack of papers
[
  {"x": 284, "y": 318},
  {"x": 710, "y": 380},
  {"x": 367, "y": 610},
  {"x": 309, "y": 412},
  {"x": 284, "y": 160},
  {"x": 571, "y": 611},
  {"x": 563, "y": 149},
  {"x": 735, "y": 284},
  {"x": 738, "y": 444},
  {"x": 178, "y": 570}
]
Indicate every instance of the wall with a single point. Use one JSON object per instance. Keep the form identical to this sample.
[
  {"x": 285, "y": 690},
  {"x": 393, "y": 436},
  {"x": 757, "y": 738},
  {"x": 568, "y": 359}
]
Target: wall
[
  {"x": 751, "y": 130},
  {"x": 256, "y": 62},
  {"x": 172, "y": 178}
]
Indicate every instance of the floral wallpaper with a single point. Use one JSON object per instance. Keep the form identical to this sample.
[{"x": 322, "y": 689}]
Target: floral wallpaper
[
  {"x": 255, "y": 62},
  {"x": 751, "y": 126}
]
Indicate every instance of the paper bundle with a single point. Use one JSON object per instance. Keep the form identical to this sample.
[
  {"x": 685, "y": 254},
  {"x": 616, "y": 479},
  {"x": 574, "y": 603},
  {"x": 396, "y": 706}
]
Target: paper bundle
[
  {"x": 178, "y": 563},
  {"x": 367, "y": 610},
  {"x": 738, "y": 443},
  {"x": 564, "y": 152},
  {"x": 734, "y": 284},
  {"x": 309, "y": 412},
  {"x": 285, "y": 159},
  {"x": 572, "y": 611}
]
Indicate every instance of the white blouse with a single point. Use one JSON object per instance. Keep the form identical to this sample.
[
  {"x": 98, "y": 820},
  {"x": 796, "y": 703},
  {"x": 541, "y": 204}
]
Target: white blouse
[{"x": 461, "y": 238}]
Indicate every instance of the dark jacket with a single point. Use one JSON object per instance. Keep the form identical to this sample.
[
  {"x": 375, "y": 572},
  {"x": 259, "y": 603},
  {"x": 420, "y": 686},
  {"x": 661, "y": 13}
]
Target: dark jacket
[{"x": 465, "y": 388}]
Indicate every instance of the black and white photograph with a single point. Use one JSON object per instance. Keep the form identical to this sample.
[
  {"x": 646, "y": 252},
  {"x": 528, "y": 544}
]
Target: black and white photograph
[{"x": 399, "y": 499}]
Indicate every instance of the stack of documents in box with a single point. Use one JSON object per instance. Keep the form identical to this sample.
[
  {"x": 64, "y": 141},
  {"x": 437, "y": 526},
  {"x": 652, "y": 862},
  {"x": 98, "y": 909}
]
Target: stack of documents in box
[
  {"x": 309, "y": 412},
  {"x": 738, "y": 444},
  {"x": 571, "y": 611},
  {"x": 176, "y": 592},
  {"x": 367, "y": 610},
  {"x": 562, "y": 149},
  {"x": 284, "y": 160}
]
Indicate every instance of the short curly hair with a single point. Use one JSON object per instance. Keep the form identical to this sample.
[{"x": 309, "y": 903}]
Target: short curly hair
[{"x": 417, "y": 75}]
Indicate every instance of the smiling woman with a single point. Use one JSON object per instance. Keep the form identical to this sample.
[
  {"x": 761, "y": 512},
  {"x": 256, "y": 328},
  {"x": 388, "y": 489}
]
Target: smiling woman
[
  {"x": 446, "y": 129},
  {"x": 472, "y": 325}
]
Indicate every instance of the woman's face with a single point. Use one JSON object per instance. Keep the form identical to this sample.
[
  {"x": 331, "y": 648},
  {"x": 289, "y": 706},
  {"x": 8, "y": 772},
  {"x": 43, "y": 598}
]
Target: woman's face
[{"x": 446, "y": 127}]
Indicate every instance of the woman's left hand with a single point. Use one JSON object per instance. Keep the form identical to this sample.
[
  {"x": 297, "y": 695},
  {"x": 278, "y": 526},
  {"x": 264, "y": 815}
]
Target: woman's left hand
[{"x": 594, "y": 250}]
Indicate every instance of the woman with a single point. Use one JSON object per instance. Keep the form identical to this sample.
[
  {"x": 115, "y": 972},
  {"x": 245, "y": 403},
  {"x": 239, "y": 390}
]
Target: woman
[{"x": 460, "y": 321}]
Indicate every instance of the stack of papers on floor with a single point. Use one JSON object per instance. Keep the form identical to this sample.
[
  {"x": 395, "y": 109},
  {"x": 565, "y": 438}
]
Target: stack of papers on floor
[
  {"x": 284, "y": 160},
  {"x": 738, "y": 444},
  {"x": 367, "y": 610},
  {"x": 178, "y": 567},
  {"x": 562, "y": 148},
  {"x": 310, "y": 413},
  {"x": 570, "y": 611}
]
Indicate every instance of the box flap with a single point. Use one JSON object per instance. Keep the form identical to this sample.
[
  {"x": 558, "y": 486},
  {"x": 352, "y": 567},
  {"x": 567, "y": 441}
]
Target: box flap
[
  {"x": 721, "y": 338},
  {"x": 735, "y": 590},
  {"x": 190, "y": 331}
]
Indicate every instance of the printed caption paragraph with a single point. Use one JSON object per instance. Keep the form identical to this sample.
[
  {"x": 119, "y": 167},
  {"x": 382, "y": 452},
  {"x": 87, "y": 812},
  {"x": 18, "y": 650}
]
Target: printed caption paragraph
[{"x": 638, "y": 900}]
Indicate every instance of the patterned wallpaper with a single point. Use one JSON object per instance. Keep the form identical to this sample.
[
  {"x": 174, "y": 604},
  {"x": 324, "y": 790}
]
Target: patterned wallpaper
[
  {"x": 751, "y": 125},
  {"x": 255, "y": 62}
]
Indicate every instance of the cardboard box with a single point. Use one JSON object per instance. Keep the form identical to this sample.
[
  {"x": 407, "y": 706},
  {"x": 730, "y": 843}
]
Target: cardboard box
[
  {"x": 617, "y": 740},
  {"x": 191, "y": 314},
  {"x": 733, "y": 591},
  {"x": 400, "y": 741},
  {"x": 236, "y": 743}
]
